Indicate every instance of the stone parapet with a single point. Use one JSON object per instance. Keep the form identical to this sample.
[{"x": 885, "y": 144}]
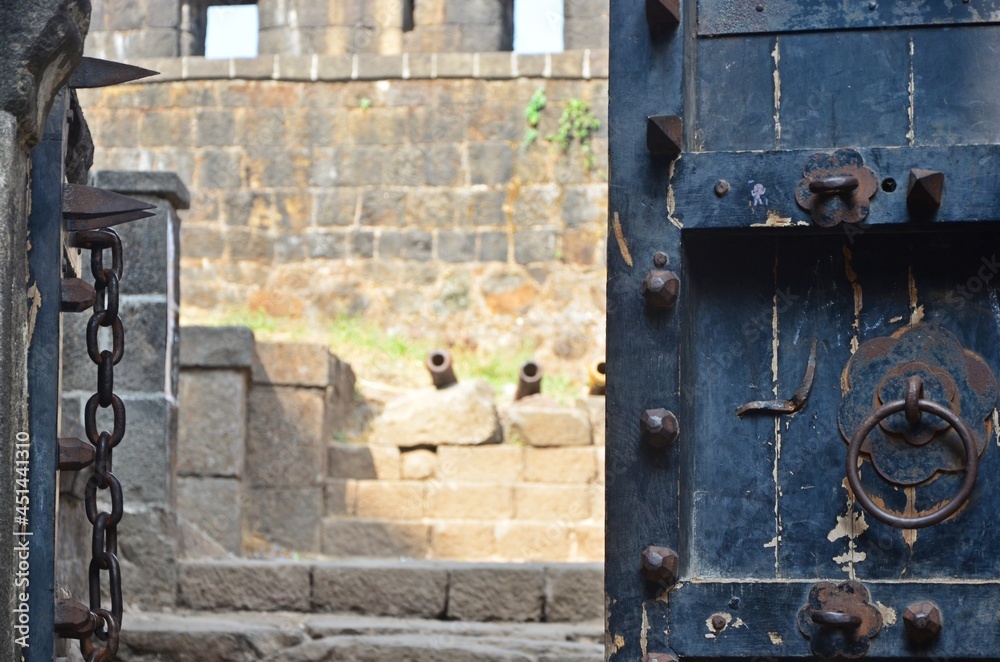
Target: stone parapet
[{"x": 585, "y": 64}]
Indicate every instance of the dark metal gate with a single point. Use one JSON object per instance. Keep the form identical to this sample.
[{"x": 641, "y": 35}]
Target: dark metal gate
[
  {"x": 66, "y": 215},
  {"x": 803, "y": 330}
]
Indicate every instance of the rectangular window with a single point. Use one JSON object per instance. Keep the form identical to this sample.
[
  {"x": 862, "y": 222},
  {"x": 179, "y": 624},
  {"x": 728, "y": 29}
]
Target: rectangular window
[
  {"x": 408, "y": 7},
  {"x": 232, "y": 31},
  {"x": 538, "y": 26}
]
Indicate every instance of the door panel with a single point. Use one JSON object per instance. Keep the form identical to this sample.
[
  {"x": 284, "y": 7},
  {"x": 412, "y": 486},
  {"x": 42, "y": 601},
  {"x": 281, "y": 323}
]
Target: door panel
[{"x": 777, "y": 254}]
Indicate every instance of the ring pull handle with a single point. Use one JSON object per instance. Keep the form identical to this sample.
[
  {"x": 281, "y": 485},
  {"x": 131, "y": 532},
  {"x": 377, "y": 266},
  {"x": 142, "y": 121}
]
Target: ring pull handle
[
  {"x": 913, "y": 405},
  {"x": 835, "y": 185},
  {"x": 836, "y": 619}
]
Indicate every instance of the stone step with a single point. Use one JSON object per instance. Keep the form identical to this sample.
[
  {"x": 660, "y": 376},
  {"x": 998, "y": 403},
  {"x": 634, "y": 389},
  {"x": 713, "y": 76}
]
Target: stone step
[
  {"x": 468, "y": 540},
  {"x": 508, "y": 592},
  {"x": 291, "y": 637}
]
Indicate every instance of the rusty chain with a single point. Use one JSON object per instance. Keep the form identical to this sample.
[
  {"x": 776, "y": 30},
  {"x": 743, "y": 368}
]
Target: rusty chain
[{"x": 104, "y": 547}]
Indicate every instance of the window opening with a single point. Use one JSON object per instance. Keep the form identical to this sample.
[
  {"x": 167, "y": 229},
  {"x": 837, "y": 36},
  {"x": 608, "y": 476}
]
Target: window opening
[
  {"x": 538, "y": 26},
  {"x": 232, "y": 31}
]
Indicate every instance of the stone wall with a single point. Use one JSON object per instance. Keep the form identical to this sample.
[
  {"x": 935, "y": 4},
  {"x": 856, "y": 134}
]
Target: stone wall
[{"x": 398, "y": 188}]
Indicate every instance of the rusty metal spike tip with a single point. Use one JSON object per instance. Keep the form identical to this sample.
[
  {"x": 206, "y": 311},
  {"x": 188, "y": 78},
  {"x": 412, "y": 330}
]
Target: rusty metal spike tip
[
  {"x": 80, "y": 202},
  {"x": 925, "y": 191},
  {"x": 663, "y": 15},
  {"x": 664, "y": 135},
  {"x": 94, "y": 72}
]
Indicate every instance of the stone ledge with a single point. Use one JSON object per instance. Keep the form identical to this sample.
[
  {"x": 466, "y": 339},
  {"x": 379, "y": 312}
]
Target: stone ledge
[
  {"x": 166, "y": 185},
  {"x": 578, "y": 64}
]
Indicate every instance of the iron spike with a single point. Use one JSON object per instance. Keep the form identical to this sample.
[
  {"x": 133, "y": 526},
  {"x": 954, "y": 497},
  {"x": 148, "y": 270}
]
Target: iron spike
[
  {"x": 83, "y": 202},
  {"x": 94, "y": 72},
  {"x": 99, "y": 222}
]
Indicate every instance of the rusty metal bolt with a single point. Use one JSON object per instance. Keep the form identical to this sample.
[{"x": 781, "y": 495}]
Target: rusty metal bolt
[
  {"x": 660, "y": 288},
  {"x": 719, "y": 622},
  {"x": 660, "y": 565},
  {"x": 659, "y": 427},
  {"x": 923, "y": 621},
  {"x": 721, "y": 187}
]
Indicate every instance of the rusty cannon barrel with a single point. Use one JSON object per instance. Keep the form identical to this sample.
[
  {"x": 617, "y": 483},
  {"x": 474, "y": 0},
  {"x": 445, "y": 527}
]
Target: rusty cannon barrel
[
  {"x": 439, "y": 365},
  {"x": 597, "y": 376},
  {"x": 529, "y": 380}
]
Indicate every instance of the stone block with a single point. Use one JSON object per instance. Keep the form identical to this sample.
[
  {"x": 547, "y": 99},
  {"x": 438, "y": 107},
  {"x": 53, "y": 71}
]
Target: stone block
[
  {"x": 289, "y": 517},
  {"x": 245, "y": 585},
  {"x": 461, "y": 415},
  {"x": 562, "y": 503},
  {"x": 501, "y": 463},
  {"x": 295, "y": 67},
  {"x": 336, "y": 207},
  {"x": 534, "y": 246},
  {"x": 215, "y": 505},
  {"x": 341, "y": 498},
  {"x": 560, "y": 465},
  {"x": 383, "y": 208},
  {"x": 463, "y": 541},
  {"x": 470, "y": 501},
  {"x": 490, "y": 163},
  {"x": 374, "y": 538},
  {"x": 568, "y": 64},
  {"x": 407, "y": 245},
  {"x": 334, "y": 67},
  {"x": 456, "y": 246},
  {"x": 495, "y": 65},
  {"x": 599, "y": 63},
  {"x": 589, "y": 542},
  {"x": 249, "y": 245},
  {"x": 363, "y": 244},
  {"x": 574, "y": 593},
  {"x": 438, "y": 124},
  {"x": 408, "y": 166},
  {"x": 390, "y": 500},
  {"x": 409, "y": 590},
  {"x": 455, "y": 65},
  {"x": 493, "y": 246},
  {"x": 537, "y": 206},
  {"x": 595, "y": 406},
  {"x": 597, "y": 497},
  {"x": 325, "y": 245},
  {"x": 496, "y": 593},
  {"x": 211, "y": 434},
  {"x": 377, "y": 125},
  {"x": 217, "y": 347},
  {"x": 535, "y": 422},
  {"x": 286, "y": 436},
  {"x": 257, "y": 68},
  {"x": 202, "y": 241},
  {"x": 431, "y": 207},
  {"x": 217, "y": 169},
  {"x": 418, "y": 464},
  {"x": 147, "y": 552},
  {"x": 443, "y": 165},
  {"x": 584, "y": 206},
  {"x": 534, "y": 541},
  {"x": 200, "y": 68},
  {"x": 291, "y": 364},
  {"x": 143, "y": 460},
  {"x": 359, "y": 165},
  {"x": 354, "y": 461}
]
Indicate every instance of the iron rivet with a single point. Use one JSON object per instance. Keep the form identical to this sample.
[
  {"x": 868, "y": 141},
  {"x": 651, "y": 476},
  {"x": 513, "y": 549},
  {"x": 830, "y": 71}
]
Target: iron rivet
[
  {"x": 735, "y": 603},
  {"x": 718, "y": 622},
  {"x": 659, "y": 427},
  {"x": 660, "y": 259},
  {"x": 660, "y": 565},
  {"x": 922, "y": 621},
  {"x": 721, "y": 187},
  {"x": 872, "y": 6},
  {"x": 760, "y": 7},
  {"x": 660, "y": 288}
]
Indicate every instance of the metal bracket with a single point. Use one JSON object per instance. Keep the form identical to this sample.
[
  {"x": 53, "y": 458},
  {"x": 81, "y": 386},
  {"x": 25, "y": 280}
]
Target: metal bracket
[
  {"x": 839, "y": 620},
  {"x": 797, "y": 401}
]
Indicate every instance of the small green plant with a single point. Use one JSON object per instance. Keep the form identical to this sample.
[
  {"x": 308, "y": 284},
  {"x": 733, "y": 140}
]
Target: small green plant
[
  {"x": 365, "y": 103},
  {"x": 577, "y": 123},
  {"x": 533, "y": 114}
]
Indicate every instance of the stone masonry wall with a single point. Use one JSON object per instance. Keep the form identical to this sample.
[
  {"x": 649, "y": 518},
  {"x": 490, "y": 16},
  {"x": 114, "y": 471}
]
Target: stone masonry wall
[{"x": 394, "y": 187}]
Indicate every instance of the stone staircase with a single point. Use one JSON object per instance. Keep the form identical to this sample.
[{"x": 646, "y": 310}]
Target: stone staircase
[{"x": 363, "y": 611}]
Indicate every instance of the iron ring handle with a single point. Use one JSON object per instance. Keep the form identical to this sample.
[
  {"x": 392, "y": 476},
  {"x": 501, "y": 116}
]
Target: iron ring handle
[
  {"x": 835, "y": 619},
  {"x": 835, "y": 185},
  {"x": 971, "y": 465}
]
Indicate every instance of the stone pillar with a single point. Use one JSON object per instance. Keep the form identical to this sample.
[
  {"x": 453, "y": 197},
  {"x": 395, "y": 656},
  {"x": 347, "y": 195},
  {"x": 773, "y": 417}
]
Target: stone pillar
[
  {"x": 586, "y": 24},
  {"x": 147, "y": 380},
  {"x": 123, "y": 30},
  {"x": 330, "y": 27},
  {"x": 296, "y": 402},
  {"x": 214, "y": 386}
]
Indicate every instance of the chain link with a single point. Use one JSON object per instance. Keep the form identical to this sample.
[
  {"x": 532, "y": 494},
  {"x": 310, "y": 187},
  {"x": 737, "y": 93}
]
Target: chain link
[{"x": 104, "y": 545}]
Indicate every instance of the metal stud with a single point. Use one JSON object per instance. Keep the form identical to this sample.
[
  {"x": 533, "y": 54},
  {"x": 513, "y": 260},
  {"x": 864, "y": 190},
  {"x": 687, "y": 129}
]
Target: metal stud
[
  {"x": 77, "y": 295},
  {"x": 74, "y": 454},
  {"x": 663, "y": 15},
  {"x": 924, "y": 192},
  {"x": 664, "y": 135}
]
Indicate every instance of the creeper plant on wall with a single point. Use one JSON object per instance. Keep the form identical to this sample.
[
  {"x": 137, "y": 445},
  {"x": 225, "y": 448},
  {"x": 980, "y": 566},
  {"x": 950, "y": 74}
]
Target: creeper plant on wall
[
  {"x": 577, "y": 123},
  {"x": 533, "y": 113}
]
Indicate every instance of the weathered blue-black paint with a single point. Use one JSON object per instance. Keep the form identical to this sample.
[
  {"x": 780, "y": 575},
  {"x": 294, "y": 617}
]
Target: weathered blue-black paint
[
  {"x": 758, "y": 507},
  {"x": 45, "y": 263},
  {"x": 749, "y": 16}
]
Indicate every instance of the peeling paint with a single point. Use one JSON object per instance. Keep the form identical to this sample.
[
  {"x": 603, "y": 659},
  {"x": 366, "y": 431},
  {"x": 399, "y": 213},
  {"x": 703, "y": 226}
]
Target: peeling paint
[
  {"x": 772, "y": 543},
  {"x": 910, "y": 535},
  {"x": 916, "y": 311},
  {"x": 775, "y": 638},
  {"x": 644, "y": 633},
  {"x": 852, "y": 277},
  {"x": 888, "y": 614},
  {"x": 34, "y": 305},
  {"x": 775, "y": 345},
  {"x": 618, "y": 642},
  {"x": 616, "y": 224},
  {"x": 776, "y": 56},
  {"x": 671, "y": 200},
  {"x": 774, "y": 220},
  {"x": 996, "y": 425},
  {"x": 897, "y": 318},
  {"x": 911, "y": 134},
  {"x": 851, "y": 525}
]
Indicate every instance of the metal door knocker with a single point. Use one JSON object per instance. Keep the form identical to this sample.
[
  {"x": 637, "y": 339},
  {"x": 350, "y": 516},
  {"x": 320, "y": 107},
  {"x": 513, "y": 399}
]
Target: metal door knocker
[
  {"x": 933, "y": 400},
  {"x": 839, "y": 620},
  {"x": 836, "y": 188}
]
